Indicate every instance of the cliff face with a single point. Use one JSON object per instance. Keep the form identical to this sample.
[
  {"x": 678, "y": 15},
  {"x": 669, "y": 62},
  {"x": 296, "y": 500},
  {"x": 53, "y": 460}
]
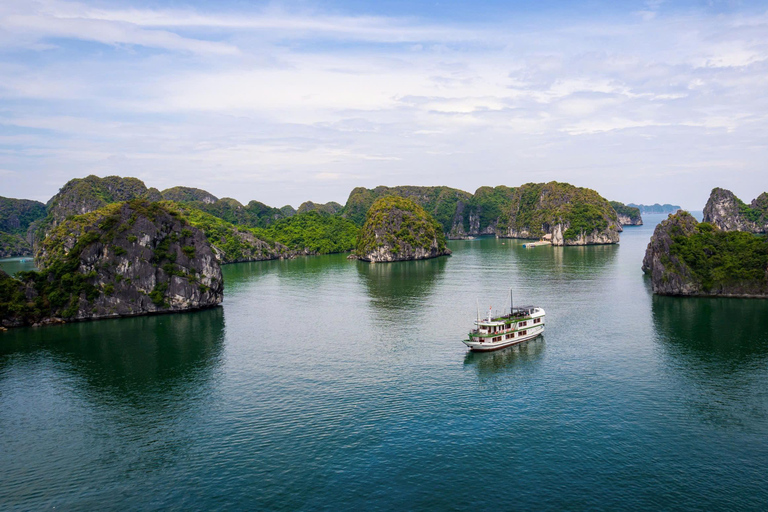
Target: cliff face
[
  {"x": 397, "y": 229},
  {"x": 729, "y": 213},
  {"x": 685, "y": 257},
  {"x": 572, "y": 215},
  {"x": 670, "y": 275},
  {"x": 125, "y": 259},
  {"x": 628, "y": 215}
]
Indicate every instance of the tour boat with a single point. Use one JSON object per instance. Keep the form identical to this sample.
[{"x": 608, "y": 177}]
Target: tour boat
[{"x": 521, "y": 324}]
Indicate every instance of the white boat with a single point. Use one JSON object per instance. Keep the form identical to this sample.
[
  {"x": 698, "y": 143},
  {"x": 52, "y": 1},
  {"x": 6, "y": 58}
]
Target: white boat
[{"x": 521, "y": 324}]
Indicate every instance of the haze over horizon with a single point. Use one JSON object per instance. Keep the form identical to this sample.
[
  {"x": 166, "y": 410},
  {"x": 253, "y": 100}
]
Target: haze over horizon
[{"x": 284, "y": 102}]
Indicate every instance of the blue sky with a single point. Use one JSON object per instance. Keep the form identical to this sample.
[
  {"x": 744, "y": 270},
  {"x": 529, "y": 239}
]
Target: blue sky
[{"x": 282, "y": 102}]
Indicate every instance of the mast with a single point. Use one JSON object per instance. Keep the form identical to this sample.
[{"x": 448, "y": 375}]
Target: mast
[{"x": 511, "y": 304}]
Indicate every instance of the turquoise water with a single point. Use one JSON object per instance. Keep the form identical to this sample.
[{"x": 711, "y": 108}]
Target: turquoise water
[{"x": 324, "y": 383}]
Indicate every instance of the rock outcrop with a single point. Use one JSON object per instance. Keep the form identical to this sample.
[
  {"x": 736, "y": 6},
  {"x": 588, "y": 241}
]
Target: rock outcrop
[
  {"x": 628, "y": 215},
  {"x": 398, "y": 229},
  {"x": 84, "y": 195},
  {"x": 571, "y": 215},
  {"x": 729, "y": 213},
  {"x": 125, "y": 259},
  {"x": 685, "y": 257}
]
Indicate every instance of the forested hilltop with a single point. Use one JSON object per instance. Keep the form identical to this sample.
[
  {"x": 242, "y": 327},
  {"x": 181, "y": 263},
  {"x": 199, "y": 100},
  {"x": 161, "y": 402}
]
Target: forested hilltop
[{"x": 726, "y": 255}]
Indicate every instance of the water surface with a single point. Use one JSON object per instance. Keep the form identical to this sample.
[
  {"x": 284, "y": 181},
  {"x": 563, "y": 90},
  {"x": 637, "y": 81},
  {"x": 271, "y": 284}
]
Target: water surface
[{"x": 324, "y": 383}]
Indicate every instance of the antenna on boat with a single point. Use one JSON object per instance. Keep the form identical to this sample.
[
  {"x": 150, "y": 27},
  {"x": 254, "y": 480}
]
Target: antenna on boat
[{"x": 478, "y": 310}]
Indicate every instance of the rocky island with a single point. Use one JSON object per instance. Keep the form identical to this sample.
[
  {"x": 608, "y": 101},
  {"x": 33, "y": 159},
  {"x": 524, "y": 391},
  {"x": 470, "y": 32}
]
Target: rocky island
[
  {"x": 685, "y": 257},
  {"x": 398, "y": 229},
  {"x": 124, "y": 259},
  {"x": 570, "y": 215},
  {"x": 729, "y": 213},
  {"x": 628, "y": 215}
]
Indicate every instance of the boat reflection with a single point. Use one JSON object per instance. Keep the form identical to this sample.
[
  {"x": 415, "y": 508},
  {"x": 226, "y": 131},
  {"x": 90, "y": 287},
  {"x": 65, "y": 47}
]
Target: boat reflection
[{"x": 506, "y": 360}]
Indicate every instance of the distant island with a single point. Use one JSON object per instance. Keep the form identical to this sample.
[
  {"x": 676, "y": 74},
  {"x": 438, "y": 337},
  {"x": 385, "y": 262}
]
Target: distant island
[
  {"x": 726, "y": 255},
  {"x": 655, "y": 208},
  {"x": 111, "y": 246}
]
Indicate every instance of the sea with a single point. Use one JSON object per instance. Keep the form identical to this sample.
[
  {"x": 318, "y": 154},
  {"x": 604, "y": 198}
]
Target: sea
[{"x": 324, "y": 383}]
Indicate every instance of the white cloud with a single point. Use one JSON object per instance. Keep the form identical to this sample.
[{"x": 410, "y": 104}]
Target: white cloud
[{"x": 259, "y": 102}]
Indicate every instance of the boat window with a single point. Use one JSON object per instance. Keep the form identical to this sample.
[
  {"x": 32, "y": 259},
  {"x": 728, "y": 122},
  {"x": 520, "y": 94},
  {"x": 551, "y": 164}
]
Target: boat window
[{"x": 523, "y": 333}]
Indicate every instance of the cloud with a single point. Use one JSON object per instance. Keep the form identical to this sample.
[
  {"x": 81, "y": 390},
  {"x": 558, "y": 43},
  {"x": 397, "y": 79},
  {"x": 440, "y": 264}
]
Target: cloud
[{"x": 254, "y": 104}]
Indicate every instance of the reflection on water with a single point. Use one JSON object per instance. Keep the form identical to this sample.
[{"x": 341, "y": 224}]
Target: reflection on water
[
  {"x": 730, "y": 332},
  {"x": 125, "y": 358},
  {"x": 506, "y": 360},
  {"x": 87, "y": 404},
  {"x": 719, "y": 347},
  {"x": 401, "y": 285}
]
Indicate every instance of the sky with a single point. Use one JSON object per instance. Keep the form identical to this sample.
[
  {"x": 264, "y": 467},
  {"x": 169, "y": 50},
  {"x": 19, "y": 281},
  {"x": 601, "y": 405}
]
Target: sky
[{"x": 284, "y": 102}]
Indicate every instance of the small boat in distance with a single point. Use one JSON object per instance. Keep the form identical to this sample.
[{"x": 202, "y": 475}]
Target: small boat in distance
[{"x": 521, "y": 324}]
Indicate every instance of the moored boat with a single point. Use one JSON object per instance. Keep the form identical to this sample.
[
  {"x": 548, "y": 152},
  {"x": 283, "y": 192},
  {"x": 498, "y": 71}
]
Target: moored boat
[{"x": 492, "y": 333}]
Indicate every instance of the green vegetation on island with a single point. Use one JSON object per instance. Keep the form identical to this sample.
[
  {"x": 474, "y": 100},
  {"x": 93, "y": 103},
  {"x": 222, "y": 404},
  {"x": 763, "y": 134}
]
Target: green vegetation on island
[
  {"x": 440, "y": 202},
  {"x": 685, "y": 257},
  {"x": 398, "y": 229},
  {"x": 331, "y": 208},
  {"x": 721, "y": 260},
  {"x": 314, "y": 232},
  {"x": 571, "y": 215},
  {"x": 16, "y": 217},
  {"x": 127, "y": 258},
  {"x": 530, "y": 211}
]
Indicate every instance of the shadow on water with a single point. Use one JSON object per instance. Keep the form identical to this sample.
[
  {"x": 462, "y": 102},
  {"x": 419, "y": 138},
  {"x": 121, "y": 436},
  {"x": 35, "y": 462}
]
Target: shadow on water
[
  {"x": 124, "y": 359},
  {"x": 401, "y": 285},
  {"x": 719, "y": 347},
  {"x": 506, "y": 360}
]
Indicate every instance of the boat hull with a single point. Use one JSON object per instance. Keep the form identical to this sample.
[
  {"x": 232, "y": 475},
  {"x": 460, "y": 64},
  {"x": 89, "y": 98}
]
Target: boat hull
[{"x": 476, "y": 346}]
